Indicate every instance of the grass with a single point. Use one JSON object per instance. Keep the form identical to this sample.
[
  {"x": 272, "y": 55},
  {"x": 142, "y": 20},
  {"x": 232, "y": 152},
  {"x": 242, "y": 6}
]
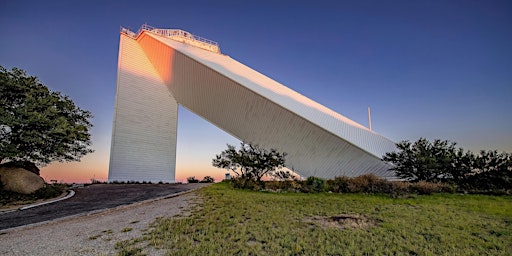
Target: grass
[
  {"x": 108, "y": 231},
  {"x": 126, "y": 229},
  {"x": 240, "y": 222},
  {"x": 94, "y": 237},
  {"x": 125, "y": 249}
]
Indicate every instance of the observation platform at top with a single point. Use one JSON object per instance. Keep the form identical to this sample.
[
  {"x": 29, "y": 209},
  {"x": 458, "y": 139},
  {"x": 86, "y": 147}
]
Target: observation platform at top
[{"x": 176, "y": 35}]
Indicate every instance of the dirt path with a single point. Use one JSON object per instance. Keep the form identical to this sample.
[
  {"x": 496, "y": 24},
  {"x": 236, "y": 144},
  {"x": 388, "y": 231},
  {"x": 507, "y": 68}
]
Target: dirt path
[{"x": 94, "y": 234}]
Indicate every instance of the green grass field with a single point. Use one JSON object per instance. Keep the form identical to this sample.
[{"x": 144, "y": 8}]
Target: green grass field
[{"x": 239, "y": 222}]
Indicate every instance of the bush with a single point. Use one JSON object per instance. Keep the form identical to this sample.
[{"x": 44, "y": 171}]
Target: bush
[
  {"x": 208, "y": 179},
  {"x": 339, "y": 185},
  {"x": 243, "y": 183},
  {"x": 368, "y": 183},
  {"x": 275, "y": 185},
  {"x": 428, "y": 188},
  {"x": 50, "y": 191},
  {"x": 314, "y": 184},
  {"x": 192, "y": 180},
  {"x": 284, "y": 185},
  {"x": 236, "y": 182},
  {"x": 399, "y": 188}
]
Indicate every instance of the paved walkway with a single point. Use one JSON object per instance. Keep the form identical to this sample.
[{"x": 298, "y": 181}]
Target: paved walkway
[{"x": 92, "y": 198}]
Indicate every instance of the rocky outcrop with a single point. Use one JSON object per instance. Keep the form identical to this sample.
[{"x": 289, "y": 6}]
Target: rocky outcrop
[{"x": 20, "y": 180}]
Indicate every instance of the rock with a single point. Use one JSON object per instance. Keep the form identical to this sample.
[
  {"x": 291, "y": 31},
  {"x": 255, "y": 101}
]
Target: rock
[
  {"x": 20, "y": 180},
  {"x": 29, "y": 166}
]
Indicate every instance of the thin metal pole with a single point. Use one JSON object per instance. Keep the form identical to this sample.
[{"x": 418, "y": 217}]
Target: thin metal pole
[{"x": 369, "y": 119}]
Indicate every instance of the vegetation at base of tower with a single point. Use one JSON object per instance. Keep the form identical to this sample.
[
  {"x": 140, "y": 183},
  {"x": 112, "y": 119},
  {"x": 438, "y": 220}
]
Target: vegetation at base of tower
[
  {"x": 39, "y": 125},
  {"x": 365, "y": 184},
  {"x": 225, "y": 221},
  {"x": 425, "y": 167},
  {"x": 442, "y": 161},
  {"x": 251, "y": 163}
]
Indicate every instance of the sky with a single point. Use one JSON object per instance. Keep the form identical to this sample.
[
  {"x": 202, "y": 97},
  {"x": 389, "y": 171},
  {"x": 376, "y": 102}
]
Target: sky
[{"x": 432, "y": 69}]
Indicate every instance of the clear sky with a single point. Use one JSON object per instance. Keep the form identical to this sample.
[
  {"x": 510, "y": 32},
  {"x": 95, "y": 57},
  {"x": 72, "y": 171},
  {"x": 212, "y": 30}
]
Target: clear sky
[{"x": 434, "y": 69}]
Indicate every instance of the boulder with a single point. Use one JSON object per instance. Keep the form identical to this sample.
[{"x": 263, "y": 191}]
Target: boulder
[
  {"x": 29, "y": 166},
  {"x": 20, "y": 180}
]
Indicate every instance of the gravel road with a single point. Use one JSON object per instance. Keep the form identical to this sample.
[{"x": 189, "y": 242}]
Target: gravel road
[
  {"x": 96, "y": 233},
  {"x": 92, "y": 198}
]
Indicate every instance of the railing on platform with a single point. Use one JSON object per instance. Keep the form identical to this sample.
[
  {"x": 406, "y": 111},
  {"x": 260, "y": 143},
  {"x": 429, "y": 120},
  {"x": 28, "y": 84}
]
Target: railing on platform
[{"x": 177, "y": 35}]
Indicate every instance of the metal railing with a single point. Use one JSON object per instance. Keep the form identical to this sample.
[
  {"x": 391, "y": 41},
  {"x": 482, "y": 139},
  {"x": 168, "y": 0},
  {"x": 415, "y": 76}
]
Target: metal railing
[{"x": 177, "y": 35}]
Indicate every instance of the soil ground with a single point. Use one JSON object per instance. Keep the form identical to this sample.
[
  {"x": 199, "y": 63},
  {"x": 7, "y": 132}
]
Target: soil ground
[{"x": 91, "y": 199}]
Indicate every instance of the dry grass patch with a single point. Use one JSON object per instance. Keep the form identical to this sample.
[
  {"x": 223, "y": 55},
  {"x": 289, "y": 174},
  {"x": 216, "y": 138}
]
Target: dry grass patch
[{"x": 344, "y": 221}]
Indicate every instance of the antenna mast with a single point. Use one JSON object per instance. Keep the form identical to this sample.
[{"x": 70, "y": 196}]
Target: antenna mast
[{"x": 369, "y": 119}]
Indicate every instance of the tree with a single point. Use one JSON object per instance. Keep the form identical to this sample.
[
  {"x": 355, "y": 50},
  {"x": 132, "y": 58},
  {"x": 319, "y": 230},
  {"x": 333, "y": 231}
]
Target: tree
[
  {"x": 427, "y": 161},
  {"x": 441, "y": 161},
  {"x": 491, "y": 170},
  {"x": 39, "y": 125},
  {"x": 250, "y": 162}
]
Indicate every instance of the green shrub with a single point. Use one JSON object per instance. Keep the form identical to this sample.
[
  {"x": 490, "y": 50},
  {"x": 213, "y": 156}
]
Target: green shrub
[
  {"x": 367, "y": 184},
  {"x": 284, "y": 185},
  {"x": 50, "y": 191},
  {"x": 339, "y": 185},
  {"x": 275, "y": 185},
  {"x": 247, "y": 183},
  {"x": 428, "y": 188},
  {"x": 236, "y": 182},
  {"x": 314, "y": 184},
  {"x": 399, "y": 188},
  {"x": 371, "y": 184},
  {"x": 358, "y": 184}
]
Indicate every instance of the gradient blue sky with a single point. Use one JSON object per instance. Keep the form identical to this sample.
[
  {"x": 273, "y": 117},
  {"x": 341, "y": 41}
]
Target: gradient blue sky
[{"x": 434, "y": 69}]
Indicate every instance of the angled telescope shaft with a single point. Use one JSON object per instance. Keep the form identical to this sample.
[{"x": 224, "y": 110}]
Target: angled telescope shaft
[{"x": 160, "y": 69}]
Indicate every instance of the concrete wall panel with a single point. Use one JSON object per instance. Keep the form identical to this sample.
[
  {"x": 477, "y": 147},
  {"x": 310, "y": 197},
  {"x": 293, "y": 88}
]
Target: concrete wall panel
[{"x": 144, "y": 131}]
